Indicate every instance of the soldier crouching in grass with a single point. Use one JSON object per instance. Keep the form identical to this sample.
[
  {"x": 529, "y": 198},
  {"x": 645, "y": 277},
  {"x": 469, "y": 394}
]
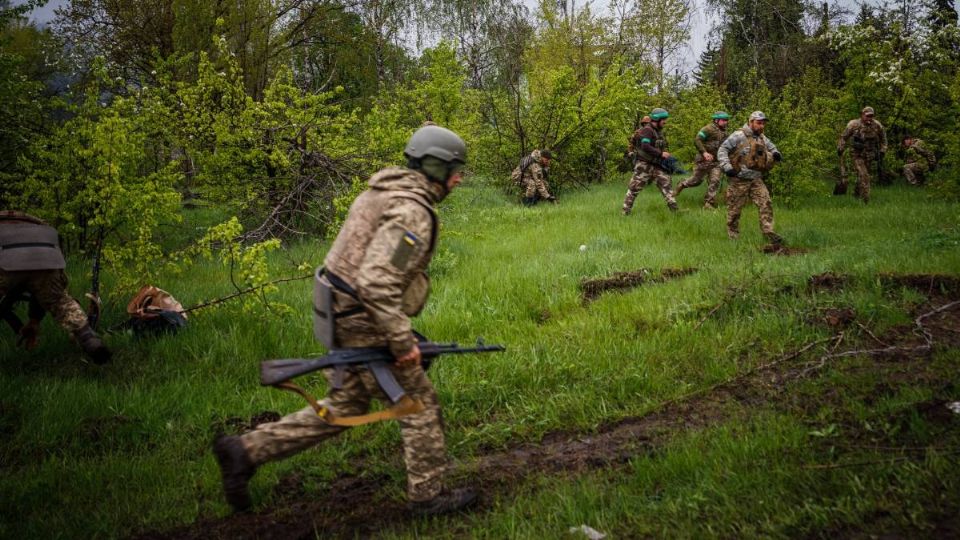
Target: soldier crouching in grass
[
  {"x": 746, "y": 156},
  {"x": 32, "y": 268},
  {"x": 376, "y": 269},
  {"x": 918, "y": 161}
]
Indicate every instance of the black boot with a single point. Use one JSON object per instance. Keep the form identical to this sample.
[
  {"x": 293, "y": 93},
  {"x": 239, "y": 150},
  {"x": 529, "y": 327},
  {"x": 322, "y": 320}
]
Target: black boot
[
  {"x": 92, "y": 345},
  {"x": 775, "y": 239},
  {"x": 446, "y": 502},
  {"x": 236, "y": 470},
  {"x": 529, "y": 201}
]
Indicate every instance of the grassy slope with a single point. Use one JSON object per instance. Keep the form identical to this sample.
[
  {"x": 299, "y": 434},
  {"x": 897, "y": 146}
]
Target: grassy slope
[{"x": 111, "y": 451}]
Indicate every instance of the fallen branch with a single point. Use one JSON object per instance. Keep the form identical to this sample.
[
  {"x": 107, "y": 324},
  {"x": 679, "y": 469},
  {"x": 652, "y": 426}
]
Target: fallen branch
[{"x": 248, "y": 290}]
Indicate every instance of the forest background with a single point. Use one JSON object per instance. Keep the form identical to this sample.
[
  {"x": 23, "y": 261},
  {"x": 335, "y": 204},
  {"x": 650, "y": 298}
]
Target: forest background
[{"x": 118, "y": 115}]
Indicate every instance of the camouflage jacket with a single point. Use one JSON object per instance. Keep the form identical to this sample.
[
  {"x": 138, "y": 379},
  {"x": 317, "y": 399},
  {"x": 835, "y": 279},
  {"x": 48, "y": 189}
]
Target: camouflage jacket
[
  {"x": 865, "y": 140},
  {"x": 735, "y": 154},
  {"x": 382, "y": 252},
  {"x": 709, "y": 139},
  {"x": 533, "y": 170},
  {"x": 918, "y": 153},
  {"x": 648, "y": 143}
]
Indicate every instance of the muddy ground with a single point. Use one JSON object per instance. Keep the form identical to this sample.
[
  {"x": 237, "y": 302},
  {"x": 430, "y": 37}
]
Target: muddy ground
[
  {"x": 354, "y": 506},
  {"x": 591, "y": 289}
]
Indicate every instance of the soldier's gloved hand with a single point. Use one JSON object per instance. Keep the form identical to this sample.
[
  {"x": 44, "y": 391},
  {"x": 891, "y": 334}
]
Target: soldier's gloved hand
[
  {"x": 410, "y": 358},
  {"x": 29, "y": 336},
  {"x": 778, "y": 157},
  {"x": 731, "y": 172}
]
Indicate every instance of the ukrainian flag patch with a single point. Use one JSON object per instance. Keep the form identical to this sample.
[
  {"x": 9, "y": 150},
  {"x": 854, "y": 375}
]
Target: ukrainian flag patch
[{"x": 405, "y": 249}]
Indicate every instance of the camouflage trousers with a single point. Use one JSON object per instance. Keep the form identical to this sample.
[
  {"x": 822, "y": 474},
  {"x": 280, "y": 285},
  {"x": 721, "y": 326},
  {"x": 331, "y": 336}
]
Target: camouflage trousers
[
  {"x": 863, "y": 165},
  {"x": 914, "y": 173},
  {"x": 710, "y": 170},
  {"x": 739, "y": 193},
  {"x": 645, "y": 173},
  {"x": 49, "y": 288},
  {"x": 424, "y": 450},
  {"x": 533, "y": 187}
]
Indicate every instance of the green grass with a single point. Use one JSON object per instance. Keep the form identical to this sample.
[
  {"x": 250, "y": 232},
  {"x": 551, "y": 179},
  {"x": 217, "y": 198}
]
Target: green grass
[{"x": 110, "y": 451}]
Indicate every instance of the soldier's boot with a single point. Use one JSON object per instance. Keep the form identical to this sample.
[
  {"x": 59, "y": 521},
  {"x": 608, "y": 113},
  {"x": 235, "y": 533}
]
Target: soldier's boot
[
  {"x": 92, "y": 345},
  {"x": 775, "y": 239},
  {"x": 680, "y": 187},
  {"x": 733, "y": 234},
  {"x": 445, "y": 502},
  {"x": 236, "y": 469},
  {"x": 709, "y": 206},
  {"x": 529, "y": 201},
  {"x": 672, "y": 206}
]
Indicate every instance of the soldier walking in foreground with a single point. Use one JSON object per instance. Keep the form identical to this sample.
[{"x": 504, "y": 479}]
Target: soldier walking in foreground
[
  {"x": 532, "y": 174},
  {"x": 376, "y": 270},
  {"x": 32, "y": 267},
  {"x": 708, "y": 141},
  {"x": 746, "y": 156},
  {"x": 918, "y": 160},
  {"x": 649, "y": 148},
  {"x": 868, "y": 142}
]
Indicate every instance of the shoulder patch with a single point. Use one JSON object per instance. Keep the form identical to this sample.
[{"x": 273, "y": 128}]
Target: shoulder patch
[
  {"x": 406, "y": 246},
  {"x": 702, "y": 135}
]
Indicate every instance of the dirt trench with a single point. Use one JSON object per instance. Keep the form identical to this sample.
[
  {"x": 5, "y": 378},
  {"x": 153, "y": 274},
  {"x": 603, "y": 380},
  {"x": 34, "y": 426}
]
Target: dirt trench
[
  {"x": 355, "y": 506},
  {"x": 591, "y": 289}
]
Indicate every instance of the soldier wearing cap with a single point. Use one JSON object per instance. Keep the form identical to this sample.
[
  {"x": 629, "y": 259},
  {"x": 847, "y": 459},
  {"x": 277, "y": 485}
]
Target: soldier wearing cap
[
  {"x": 649, "y": 147},
  {"x": 708, "y": 141},
  {"x": 868, "y": 142},
  {"x": 32, "y": 268},
  {"x": 918, "y": 160},
  {"x": 376, "y": 272},
  {"x": 746, "y": 156}
]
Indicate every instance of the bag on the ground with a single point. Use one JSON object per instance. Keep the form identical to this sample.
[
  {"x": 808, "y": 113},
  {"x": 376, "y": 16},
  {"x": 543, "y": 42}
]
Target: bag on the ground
[{"x": 155, "y": 311}]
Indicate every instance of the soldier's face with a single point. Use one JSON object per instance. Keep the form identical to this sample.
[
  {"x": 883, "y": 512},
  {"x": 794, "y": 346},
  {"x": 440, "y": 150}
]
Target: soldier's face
[
  {"x": 722, "y": 123},
  {"x": 545, "y": 161},
  {"x": 867, "y": 118},
  {"x": 454, "y": 180},
  {"x": 758, "y": 125}
]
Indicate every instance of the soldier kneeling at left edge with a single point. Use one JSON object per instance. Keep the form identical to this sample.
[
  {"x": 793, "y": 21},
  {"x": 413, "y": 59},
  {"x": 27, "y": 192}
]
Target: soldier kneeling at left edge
[
  {"x": 376, "y": 270},
  {"x": 32, "y": 269}
]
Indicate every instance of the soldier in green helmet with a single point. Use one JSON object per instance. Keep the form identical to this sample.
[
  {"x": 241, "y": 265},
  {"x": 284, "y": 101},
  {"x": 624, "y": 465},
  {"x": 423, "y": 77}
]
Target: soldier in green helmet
[
  {"x": 650, "y": 149},
  {"x": 708, "y": 141}
]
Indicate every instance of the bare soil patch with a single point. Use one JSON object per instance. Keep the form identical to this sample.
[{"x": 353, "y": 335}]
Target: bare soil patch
[
  {"x": 591, "y": 289},
  {"x": 782, "y": 250}
]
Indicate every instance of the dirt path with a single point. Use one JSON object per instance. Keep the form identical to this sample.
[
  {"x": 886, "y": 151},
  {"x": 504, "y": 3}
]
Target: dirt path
[{"x": 354, "y": 506}]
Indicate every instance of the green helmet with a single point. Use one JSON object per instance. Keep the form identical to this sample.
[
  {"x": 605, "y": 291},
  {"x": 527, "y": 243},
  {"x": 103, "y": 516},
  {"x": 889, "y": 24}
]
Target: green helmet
[
  {"x": 438, "y": 142},
  {"x": 721, "y": 115},
  {"x": 659, "y": 114}
]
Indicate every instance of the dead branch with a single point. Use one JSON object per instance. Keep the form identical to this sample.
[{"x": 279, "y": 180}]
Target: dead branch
[{"x": 256, "y": 289}]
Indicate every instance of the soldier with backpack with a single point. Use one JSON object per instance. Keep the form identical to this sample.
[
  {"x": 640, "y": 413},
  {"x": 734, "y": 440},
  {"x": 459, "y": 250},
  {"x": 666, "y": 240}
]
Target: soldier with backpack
[
  {"x": 531, "y": 177},
  {"x": 868, "y": 142}
]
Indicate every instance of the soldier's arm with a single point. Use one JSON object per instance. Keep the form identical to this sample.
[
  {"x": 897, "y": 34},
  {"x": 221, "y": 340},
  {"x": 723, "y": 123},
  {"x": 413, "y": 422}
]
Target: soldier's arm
[
  {"x": 925, "y": 152},
  {"x": 723, "y": 154},
  {"x": 698, "y": 141},
  {"x": 844, "y": 137},
  {"x": 772, "y": 148},
  {"x": 402, "y": 238}
]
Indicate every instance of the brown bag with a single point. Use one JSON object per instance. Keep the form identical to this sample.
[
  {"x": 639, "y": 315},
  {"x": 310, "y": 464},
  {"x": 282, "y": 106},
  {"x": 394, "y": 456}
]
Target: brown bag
[{"x": 150, "y": 301}]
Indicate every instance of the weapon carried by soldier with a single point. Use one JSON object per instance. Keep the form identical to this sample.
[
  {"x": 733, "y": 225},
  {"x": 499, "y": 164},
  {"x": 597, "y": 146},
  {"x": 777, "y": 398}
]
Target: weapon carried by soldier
[
  {"x": 672, "y": 165},
  {"x": 277, "y": 373}
]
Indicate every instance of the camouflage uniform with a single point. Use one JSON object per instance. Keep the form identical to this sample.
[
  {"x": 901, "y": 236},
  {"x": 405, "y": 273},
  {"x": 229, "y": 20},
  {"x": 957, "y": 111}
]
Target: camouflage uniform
[
  {"x": 647, "y": 145},
  {"x": 47, "y": 286},
  {"x": 918, "y": 161},
  {"x": 382, "y": 252},
  {"x": 868, "y": 142},
  {"x": 748, "y": 184},
  {"x": 534, "y": 180},
  {"x": 708, "y": 140}
]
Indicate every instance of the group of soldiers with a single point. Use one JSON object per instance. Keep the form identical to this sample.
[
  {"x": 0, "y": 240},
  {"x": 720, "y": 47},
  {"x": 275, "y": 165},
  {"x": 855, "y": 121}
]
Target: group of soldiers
[
  {"x": 745, "y": 156},
  {"x": 376, "y": 270}
]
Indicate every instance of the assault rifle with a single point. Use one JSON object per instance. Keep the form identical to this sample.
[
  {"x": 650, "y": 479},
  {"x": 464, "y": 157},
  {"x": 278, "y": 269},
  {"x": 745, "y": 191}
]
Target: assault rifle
[
  {"x": 671, "y": 165},
  {"x": 277, "y": 373}
]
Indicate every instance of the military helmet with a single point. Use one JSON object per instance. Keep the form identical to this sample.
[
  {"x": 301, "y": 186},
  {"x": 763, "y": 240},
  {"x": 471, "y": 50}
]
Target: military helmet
[
  {"x": 659, "y": 114},
  {"x": 721, "y": 115},
  {"x": 757, "y": 115},
  {"x": 437, "y": 142}
]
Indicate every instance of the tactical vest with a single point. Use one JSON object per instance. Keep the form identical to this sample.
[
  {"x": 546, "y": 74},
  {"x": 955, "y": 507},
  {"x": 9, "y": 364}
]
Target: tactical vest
[
  {"x": 752, "y": 154},
  {"x": 29, "y": 246},
  {"x": 866, "y": 139},
  {"x": 658, "y": 141}
]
